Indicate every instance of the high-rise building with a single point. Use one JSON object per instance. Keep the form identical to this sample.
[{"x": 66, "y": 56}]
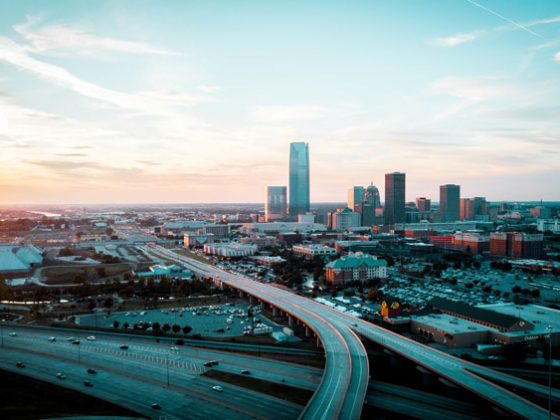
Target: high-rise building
[
  {"x": 395, "y": 191},
  {"x": 276, "y": 204},
  {"x": 299, "y": 178},
  {"x": 355, "y": 198},
  {"x": 466, "y": 210},
  {"x": 423, "y": 204},
  {"x": 370, "y": 203},
  {"x": 449, "y": 202}
]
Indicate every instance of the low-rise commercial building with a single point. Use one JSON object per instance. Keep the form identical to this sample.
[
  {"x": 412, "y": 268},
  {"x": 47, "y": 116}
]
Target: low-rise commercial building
[
  {"x": 19, "y": 259},
  {"x": 516, "y": 245},
  {"x": 313, "y": 250},
  {"x": 230, "y": 250}
]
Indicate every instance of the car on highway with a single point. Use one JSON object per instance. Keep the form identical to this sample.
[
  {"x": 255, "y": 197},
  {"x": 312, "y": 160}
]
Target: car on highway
[
  {"x": 211, "y": 363},
  {"x": 61, "y": 375},
  {"x": 91, "y": 338},
  {"x": 156, "y": 406},
  {"x": 20, "y": 364},
  {"x": 245, "y": 372},
  {"x": 70, "y": 339},
  {"x": 52, "y": 339},
  {"x": 88, "y": 383},
  {"x": 76, "y": 342},
  {"x": 91, "y": 371},
  {"x": 123, "y": 347},
  {"x": 217, "y": 388},
  {"x": 12, "y": 334},
  {"x": 174, "y": 348}
]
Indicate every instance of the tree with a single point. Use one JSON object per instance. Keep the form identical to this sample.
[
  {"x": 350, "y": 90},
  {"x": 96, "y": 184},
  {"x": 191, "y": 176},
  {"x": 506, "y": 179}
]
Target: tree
[
  {"x": 116, "y": 324},
  {"x": 176, "y": 328},
  {"x": 156, "y": 326},
  {"x": 166, "y": 327},
  {"x": 125, "y": 325},
  {"x": 187, "y": 329},
  {"x": 535, "y": 293}
]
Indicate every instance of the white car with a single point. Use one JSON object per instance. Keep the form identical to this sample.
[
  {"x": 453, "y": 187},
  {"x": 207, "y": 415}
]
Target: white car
[
  {"x": 217, "y": 388},
  {"x": 52, "y": 339},
  {"x": 173, "y": 348},
  {"x": 91, "y": 338},
  {"x": 12, "y": 334}
]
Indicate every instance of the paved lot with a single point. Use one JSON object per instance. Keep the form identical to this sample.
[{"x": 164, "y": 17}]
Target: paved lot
[{"x": 208, "y": 321}]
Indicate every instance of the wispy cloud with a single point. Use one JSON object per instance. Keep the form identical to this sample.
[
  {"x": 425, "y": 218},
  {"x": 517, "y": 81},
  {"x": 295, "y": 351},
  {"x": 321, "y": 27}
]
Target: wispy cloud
[
  {"x": 149, "y": 102},
  {"x": 557, "y": 56},
  {"x": 465, "y": 37},
  {"x": 59, "y": 39}
]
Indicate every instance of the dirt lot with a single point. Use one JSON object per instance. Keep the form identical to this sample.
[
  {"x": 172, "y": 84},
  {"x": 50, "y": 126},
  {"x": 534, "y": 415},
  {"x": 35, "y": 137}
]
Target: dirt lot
[
  {"x": 74, "y": 274},
  {"x": 26, "y": 398}
]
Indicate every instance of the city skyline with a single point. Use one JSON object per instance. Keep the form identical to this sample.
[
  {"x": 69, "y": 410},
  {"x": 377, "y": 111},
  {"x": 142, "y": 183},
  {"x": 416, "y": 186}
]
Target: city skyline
[{"x": 144, "y": 104}]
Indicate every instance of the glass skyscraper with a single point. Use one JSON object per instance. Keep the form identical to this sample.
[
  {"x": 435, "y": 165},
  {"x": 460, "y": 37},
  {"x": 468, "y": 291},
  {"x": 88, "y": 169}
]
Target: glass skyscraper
[{"x": 299, "y": 178}]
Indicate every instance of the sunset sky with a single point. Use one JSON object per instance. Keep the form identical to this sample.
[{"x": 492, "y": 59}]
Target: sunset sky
[{"x": 197, "y": 101}]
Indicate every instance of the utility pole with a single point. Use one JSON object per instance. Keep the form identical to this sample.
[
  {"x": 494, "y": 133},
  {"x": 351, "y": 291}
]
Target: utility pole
[{"x": 549, "y": 329}]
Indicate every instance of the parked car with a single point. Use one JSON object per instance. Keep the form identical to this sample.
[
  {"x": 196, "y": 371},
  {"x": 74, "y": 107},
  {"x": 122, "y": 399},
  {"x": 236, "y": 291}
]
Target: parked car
[
  {"x": 52, "y": 339},
  {"x": 12, "y": 334},
  {"x": 88, "y": 383},
  {"x": 20, "y": 364},
  {"x": 123, "y": 347},
  {"x": 60, "y": 375},
  {"x": 91, "y": 371}
]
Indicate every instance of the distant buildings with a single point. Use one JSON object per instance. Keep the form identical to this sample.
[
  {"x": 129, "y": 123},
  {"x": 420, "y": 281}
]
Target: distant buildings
[
  {"x": 276, "y": 204},
  {"x": 285, "y": 227},
  {"x": 157, "y": 272},
  {"x": 423, "y": 204},
  {"x": 195, "y": 240},
  {"x": 355, "y": 267},
  {"x": 344, "y": 219},
  {"x": 395, "y": 191},
  {"x": 449, "y": 202},
  {"x": 19, "y": 259},
  {"x": 473, "y": 208},
  {"x": 299, "y": 178},
  {"x": 516, "y": 245},
  {"x": 370, "y": 204},
  {"x": 552, "y": 225}
]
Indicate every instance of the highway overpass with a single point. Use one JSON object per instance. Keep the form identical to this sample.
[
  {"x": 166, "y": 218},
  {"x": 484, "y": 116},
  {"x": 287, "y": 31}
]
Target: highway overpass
[{"x": 342, "y": 390}]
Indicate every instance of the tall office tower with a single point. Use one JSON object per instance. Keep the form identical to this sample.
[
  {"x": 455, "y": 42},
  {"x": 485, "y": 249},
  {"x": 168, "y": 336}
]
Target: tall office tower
[
  {"x": 449, "y": 202},
  {"x": 276, "y": 204},
  {"x": 466, "y": 211},
  {"x": 355, "y": 198},
  {"x": 423, "y": 204},
  {"x": 479, "y": 206},
  {"x": 370, "y": 203},
  {"x": 299, "y": 178},
  {"x": 395, "y": 184}
]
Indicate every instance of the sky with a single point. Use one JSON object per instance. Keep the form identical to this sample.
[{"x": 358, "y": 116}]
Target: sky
[{"x": 197, "y": 101}]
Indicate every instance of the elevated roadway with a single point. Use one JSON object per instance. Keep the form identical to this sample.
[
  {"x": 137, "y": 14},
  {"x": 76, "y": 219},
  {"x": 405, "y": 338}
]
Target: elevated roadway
[{"x": 342, "y": 390}]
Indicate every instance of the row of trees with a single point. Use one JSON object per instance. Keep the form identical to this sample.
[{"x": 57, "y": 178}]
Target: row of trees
[{"x": 157, "y": 328}]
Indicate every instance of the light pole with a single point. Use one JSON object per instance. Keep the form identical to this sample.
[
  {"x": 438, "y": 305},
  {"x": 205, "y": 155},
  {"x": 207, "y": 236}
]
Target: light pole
[
  {"x": 549, "y": 329},
  {"x": 2, "y": 330},
  {"x": 167, "y": 366}
]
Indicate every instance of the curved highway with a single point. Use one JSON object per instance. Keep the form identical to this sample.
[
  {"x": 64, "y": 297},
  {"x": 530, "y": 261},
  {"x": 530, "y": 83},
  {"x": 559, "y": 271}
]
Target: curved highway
[{"x": 343, "y": 388}]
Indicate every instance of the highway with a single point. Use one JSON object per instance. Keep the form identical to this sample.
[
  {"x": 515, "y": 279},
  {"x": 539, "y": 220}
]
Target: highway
[
  {"x": 145, "y": 367},
  {"x": 342, "y": 390}
]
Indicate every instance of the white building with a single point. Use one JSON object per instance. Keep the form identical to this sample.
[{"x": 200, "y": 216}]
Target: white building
[
  {"x": 313, "y": 250},
  {"x": 282, "y": 227},
  {"x": 552, "y": 225},
  {"x": 230, "y": 250}
]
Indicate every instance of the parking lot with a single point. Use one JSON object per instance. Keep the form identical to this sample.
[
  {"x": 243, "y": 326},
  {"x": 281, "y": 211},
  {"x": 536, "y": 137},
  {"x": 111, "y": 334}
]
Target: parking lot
[{"x": 208, "y": 321}]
